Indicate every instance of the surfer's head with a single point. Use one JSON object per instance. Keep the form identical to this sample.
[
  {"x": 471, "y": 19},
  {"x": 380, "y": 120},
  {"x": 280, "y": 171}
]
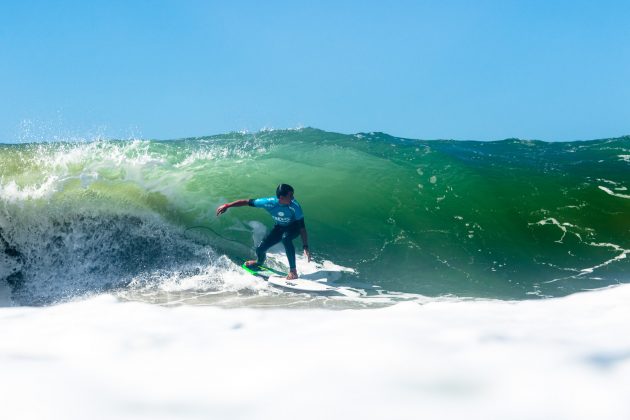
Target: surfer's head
[{"x": 284, "y": 190}]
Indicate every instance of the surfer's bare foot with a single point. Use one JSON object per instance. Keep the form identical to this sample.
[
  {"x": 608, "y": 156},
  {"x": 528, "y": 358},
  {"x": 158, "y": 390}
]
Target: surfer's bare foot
[
  {"x": 292, "y": 275},
  {"x": 251, "y": 263}
]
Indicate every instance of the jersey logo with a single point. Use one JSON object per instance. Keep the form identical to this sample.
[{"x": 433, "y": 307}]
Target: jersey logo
[{"x": 281, "y": 214}]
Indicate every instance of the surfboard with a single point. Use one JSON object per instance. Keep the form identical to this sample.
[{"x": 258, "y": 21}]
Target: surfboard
[
  {"x": 278, "y": 279},
  {"x": 300, "y": 285}
]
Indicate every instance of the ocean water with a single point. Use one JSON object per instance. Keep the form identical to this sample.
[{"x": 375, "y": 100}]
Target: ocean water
[
  {"x": 489, "y": 279},
  {"x": 511, "y": 219}
]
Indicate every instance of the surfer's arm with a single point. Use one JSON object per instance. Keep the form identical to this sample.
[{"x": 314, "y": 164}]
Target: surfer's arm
[
  {"x": 238, "y": 203},
  {"x": 304, "y": 235}
]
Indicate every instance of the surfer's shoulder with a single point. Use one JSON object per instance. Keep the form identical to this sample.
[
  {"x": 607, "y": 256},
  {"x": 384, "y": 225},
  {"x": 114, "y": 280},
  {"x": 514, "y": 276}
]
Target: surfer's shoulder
[{"x": 266, "y": 202}]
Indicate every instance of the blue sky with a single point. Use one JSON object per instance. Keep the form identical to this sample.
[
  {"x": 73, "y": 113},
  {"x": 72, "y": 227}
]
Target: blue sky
[{"x": 486, "y": 70}]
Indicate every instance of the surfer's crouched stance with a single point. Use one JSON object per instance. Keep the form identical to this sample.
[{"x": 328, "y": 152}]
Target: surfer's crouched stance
[{"x": 289, "y": 223}]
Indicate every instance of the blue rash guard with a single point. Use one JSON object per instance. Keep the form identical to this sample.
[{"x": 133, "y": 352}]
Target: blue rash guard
[
  {"x": 288, "y": 219},
  {"x": 283, "y": 215}
]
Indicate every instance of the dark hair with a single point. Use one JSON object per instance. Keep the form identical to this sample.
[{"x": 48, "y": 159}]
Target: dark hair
[{"x": 283, "y": 190}]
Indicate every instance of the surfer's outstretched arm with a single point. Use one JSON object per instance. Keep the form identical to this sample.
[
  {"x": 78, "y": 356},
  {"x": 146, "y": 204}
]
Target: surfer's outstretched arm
[{"x": 238, "y": 203}]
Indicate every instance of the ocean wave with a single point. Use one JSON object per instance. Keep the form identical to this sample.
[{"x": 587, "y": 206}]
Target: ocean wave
[{"x": 510, "y": 219}]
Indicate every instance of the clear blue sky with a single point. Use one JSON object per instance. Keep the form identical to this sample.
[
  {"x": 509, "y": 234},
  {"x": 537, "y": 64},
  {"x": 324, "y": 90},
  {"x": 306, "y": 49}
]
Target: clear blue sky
[{"x": 550, "y": 70}]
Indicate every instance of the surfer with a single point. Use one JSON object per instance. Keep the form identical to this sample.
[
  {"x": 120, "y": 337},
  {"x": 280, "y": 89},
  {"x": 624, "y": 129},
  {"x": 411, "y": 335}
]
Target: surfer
[{"x": 289, "y": 223}]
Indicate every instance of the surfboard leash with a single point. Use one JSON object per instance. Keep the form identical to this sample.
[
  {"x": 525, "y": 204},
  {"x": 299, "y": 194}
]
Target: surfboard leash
[{"x": 213, "y": 231}]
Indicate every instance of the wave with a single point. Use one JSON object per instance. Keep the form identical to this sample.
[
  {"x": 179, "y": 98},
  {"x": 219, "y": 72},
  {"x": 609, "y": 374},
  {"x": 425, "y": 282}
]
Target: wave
[{"x": 510, "y": 219}]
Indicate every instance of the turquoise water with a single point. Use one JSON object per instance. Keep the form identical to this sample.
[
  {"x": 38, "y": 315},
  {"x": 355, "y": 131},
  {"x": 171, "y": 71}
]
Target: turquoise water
[{"x": 511, "y": 219}]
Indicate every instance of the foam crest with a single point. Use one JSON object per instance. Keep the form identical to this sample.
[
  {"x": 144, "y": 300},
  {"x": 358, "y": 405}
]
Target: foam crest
[{"x": 12, "y": 192}]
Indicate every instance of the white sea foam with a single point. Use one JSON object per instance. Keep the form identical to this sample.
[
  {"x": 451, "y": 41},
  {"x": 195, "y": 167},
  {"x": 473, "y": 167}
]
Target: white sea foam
[
  {"x": 11, "y": 192},
  {"x": 622, "y": 253},
  {"x": 83, "y": 161},
  {"x": 553, "y": 221},
  {"x": 566, "y": 358},
  {"x": 610, "y": 192},
  {"x": 621, "y": 256}
]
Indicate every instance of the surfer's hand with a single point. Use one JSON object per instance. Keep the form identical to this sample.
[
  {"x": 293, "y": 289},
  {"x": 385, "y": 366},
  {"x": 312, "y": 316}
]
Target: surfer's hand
[
  {"x": 307, "y": 254},
  {"x": 222, "y": 209}
]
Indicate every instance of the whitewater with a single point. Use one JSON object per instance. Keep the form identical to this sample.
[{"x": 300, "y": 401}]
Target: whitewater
[{"x": 490, "y": 279}]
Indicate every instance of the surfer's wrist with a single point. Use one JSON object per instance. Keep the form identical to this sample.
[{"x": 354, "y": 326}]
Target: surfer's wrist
[{"x": 305, "y": 247}]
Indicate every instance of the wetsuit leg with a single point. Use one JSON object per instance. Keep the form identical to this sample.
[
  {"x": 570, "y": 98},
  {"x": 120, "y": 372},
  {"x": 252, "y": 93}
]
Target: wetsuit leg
[
  {"x": 270, "y": 240},
  {"x": 287, "y": 241}
]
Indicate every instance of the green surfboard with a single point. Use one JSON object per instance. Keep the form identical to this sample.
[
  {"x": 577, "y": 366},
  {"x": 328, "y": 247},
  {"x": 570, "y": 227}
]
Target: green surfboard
[{"x": 263, "y": 271}]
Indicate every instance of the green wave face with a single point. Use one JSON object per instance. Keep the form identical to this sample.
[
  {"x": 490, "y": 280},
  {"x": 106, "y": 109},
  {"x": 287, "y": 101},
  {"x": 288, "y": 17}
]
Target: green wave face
[{"x": 507, "y": 219}]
